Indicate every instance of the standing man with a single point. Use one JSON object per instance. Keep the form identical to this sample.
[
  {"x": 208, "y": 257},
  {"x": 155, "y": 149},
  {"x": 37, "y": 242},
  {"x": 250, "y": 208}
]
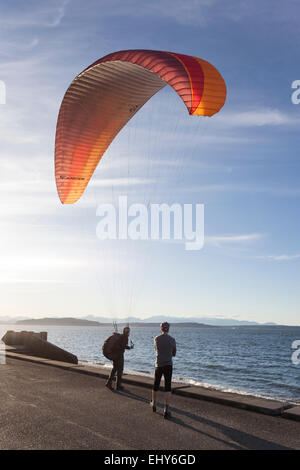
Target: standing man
[
  {"x": 165, "y": 347},
  {"x": 118, "y": 359}
]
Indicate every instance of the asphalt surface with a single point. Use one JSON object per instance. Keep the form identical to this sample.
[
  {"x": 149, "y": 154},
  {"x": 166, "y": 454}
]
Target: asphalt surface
[{"x": 43, "y": 407}]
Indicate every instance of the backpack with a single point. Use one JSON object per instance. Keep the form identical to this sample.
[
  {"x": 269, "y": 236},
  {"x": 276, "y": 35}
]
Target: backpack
[{"x": 109, "y": 348}]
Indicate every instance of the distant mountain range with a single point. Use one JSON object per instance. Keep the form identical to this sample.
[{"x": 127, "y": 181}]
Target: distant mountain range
[
  {"x": 69, "y": 321},
  {"x": 9, "y": 319},
  {"x": 160, "y": 318},
  {"x": 93, "y": 320}
]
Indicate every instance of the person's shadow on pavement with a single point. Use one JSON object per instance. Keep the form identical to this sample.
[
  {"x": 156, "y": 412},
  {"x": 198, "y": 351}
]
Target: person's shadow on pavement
[{"x": 237, "y": 439}]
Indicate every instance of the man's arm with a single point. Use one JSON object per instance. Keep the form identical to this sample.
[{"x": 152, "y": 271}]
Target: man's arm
[{"x": 124, "y": 343}]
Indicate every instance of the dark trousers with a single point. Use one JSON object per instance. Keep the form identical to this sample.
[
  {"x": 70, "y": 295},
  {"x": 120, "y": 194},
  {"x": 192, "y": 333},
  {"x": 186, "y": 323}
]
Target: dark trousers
[
  {"x": 165, "y": 371},
  {"x": 118, "y": 366}
]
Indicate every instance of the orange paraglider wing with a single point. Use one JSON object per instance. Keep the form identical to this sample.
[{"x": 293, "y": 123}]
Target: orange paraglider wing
[{"x": 107, "y": 94}]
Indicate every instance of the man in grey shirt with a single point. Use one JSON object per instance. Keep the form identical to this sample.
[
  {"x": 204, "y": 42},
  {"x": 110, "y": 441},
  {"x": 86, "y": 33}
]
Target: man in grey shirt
[{"x": 165, "y": 347}]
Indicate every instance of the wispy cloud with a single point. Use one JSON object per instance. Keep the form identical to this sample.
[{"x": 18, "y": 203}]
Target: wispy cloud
[
  {"x": 197, "y": 12},
  {"x": 256, "y": 118},
  {"x": 121, "y": 182},
  {"x": 220, "y": 240},
  {"x": 47, "y": 14},
  {"x": 279, "y": 191},
  {"x": 191, "y": 12},
  {"x": 282, "y": 257}
]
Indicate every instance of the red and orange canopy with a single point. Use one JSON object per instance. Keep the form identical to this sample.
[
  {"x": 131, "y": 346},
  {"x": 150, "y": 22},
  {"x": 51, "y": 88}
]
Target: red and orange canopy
[{"x": 105, "y": 96}]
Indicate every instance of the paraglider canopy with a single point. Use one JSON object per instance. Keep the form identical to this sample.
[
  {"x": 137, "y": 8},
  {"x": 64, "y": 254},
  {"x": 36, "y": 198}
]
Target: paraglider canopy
[{"x": 108, "y": 93}]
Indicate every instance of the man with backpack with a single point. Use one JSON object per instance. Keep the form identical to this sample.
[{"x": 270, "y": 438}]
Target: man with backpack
[{"x": 113, "y": 349}]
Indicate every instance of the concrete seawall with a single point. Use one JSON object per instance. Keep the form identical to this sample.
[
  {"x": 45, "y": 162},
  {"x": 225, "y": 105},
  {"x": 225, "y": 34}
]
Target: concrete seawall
[{"x": 37, "y": 344}]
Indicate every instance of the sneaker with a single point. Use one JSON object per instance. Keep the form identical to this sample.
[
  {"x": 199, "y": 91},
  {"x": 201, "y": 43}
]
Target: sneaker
[
  {"x": 167, "y": 414},
  {"x": 120, "y": 388},
  {"x": 153, "y": 406},
  {"x": 108, "y": 385}
]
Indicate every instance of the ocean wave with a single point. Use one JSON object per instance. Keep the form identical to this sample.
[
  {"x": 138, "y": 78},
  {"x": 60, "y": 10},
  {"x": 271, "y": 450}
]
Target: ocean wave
[{"x": 228, "y": 389}]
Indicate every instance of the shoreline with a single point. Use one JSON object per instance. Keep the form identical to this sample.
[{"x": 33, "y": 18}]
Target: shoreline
[
  {"x": 187, "y": 381},
  {"x": 258, "y": 405}
]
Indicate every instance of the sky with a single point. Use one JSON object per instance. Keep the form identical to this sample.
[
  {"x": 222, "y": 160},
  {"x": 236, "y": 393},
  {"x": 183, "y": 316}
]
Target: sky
[{"x": 242, "y": 164}]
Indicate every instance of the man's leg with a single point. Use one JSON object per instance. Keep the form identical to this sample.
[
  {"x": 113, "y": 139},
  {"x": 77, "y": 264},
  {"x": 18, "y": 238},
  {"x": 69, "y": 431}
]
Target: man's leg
[
  {"x": 120, "y": 367},
  {"x": 168, "y": 379},
  {"x": 157, "y": 379},
  {"x": 112, "y": 374}
]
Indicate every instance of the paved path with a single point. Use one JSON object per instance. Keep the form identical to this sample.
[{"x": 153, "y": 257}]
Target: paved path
[{"x": 42, "y": 407}]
